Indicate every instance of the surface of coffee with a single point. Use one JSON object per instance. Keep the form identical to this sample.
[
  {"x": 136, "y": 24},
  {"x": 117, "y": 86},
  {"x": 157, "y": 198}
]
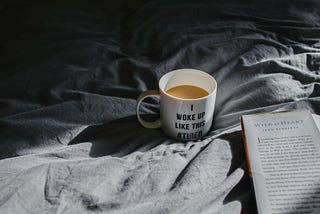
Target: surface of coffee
[{"x": 187, "y": 92}]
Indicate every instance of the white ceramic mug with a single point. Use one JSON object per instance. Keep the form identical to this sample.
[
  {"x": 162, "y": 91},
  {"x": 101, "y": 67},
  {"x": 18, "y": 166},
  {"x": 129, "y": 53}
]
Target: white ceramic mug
[{"x": 183, "y": 119}]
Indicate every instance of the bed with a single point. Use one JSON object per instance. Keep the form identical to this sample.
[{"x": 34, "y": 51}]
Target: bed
[{"x": 70, "y": 74}]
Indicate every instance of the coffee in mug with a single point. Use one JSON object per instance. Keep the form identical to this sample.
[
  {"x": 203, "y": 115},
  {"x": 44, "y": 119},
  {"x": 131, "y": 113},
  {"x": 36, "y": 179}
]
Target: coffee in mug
[
  {"x": 187, "y": 92},
  {"x": 187, "y": 100}
]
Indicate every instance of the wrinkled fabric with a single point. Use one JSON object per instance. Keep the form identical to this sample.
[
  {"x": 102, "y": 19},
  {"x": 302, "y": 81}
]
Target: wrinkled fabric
[
  {"x": 70, "y": 73},
  {"x": 157, "y": 181}
]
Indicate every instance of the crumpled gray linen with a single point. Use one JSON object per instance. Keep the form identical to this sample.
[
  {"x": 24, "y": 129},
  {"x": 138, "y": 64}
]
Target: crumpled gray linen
[
  {"x": 70, "y": 75},
  {"x": 174, "y": 178}
]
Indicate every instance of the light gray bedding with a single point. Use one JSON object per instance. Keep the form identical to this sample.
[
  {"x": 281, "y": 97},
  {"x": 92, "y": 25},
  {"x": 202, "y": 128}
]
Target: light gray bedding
[{"x": 71, "y": 72}]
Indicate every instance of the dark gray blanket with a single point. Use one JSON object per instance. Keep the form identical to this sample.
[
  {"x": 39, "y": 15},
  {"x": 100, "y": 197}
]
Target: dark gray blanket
[{"x": 70, "y": 73}]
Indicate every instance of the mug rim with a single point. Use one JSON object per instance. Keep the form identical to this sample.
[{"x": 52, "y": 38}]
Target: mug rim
[{"x": 192, "y": 70}]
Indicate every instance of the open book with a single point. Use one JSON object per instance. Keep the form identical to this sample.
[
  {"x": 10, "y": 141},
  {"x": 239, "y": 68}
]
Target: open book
[{"x": 283, "y": 153}]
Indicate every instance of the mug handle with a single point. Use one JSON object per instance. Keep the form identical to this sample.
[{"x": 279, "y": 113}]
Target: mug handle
[{"x": 151, "y": 125}]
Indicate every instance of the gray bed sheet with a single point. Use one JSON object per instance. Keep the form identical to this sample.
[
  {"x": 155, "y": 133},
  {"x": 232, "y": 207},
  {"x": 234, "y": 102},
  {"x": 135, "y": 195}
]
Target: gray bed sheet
[{"x": 70, "y": 75}]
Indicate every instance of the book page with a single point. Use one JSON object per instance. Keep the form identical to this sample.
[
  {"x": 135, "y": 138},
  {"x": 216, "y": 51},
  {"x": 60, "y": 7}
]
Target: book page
[
  {"x": 284, "y": 157},
  {"x": 316, "y": 119}
]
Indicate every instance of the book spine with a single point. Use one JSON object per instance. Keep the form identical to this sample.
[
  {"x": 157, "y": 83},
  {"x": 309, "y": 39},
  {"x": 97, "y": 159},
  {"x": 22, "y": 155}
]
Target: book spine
[{"x": 246, "y": 150}]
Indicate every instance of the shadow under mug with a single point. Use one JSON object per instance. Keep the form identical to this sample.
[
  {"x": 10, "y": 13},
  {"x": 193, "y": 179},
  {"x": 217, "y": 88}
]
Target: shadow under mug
[{"x": 182, "y": 119}]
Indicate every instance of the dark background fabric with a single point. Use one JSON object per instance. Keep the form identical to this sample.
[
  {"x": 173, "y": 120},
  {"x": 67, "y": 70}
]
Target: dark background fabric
[{"x": 70, "y": 71}]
